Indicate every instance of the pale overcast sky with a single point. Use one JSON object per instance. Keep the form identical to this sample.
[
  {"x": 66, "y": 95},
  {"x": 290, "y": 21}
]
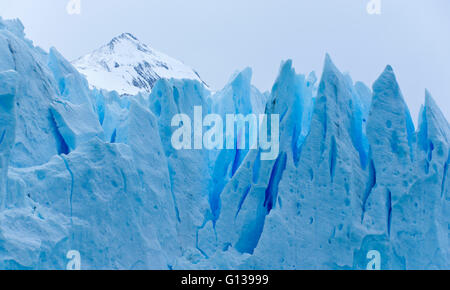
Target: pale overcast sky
[{"x": 217, "y": 37}]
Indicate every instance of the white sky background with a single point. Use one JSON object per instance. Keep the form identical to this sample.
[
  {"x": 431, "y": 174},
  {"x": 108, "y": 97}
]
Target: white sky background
[{"x": 218, "y": 37}]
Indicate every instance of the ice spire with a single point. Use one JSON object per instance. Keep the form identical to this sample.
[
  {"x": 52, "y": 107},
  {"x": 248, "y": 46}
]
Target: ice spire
[{"x": 389, "y": 125}]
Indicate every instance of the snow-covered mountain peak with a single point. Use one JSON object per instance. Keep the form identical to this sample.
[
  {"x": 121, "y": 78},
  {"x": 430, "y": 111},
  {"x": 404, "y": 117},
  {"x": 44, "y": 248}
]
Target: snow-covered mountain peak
[
  {"x": 128, "y": 66},
  {"x": 127, "y": 41},
  {"x": 125, "y": 36}
]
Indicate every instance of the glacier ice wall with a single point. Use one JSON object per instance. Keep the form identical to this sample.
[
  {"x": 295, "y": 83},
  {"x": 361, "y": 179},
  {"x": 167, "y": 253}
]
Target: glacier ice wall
[{"x": 93, "y": 171}]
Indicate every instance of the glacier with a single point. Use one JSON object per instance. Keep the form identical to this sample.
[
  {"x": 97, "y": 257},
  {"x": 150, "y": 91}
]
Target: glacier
[{"x": 92, "y": 170}]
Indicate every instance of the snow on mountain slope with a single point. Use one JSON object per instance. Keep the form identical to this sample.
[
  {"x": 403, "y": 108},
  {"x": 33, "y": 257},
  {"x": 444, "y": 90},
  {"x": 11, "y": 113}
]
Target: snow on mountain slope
[{"x": 128, "y": 66}]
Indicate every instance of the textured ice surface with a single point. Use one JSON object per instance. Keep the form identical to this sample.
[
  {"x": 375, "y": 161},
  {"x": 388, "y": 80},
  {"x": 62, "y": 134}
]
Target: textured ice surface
[{"x": 94, "y": 171}]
